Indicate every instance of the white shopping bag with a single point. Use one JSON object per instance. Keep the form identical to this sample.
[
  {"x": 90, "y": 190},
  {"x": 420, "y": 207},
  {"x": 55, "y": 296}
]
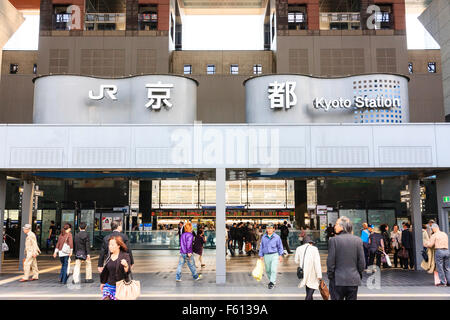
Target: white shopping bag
[{"x": 388, "y": 260}]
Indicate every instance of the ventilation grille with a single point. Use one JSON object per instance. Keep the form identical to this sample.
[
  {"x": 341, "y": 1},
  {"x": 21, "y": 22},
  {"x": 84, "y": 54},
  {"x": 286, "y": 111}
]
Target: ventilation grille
[
  {"x": 405, "y": 155},
  {"x": 292, "y": 156},
  {"x": 342, "y": 156},
  {"x": 153, "y": 156},
  {"x": 103, "y": 62},
  {"x": 36, "y": 157},
  {"x": 146, "y": 61},
  {"x": 98, "y": 157},
  {"x": 386, "y": 60},
  {"x": 59, "y": 61},
  {"x": 298, "y": 61},
  {"x": 338, "y": 62}
]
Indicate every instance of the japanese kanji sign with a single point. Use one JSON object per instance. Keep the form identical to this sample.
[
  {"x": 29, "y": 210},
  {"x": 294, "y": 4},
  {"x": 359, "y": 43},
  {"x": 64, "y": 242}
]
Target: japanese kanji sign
[
  {"x": 282, "y": 95},
  {"x": 158, "y": 93}
]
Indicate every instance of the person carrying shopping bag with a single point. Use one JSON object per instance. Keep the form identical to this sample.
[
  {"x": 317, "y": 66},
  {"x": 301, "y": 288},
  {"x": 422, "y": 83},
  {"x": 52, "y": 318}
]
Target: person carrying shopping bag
[
  {"x": 308, "y": 258},
  {"x": 82, "y": 248},
  {"x": 116, "y": 267},
  {"x": 197, "y": 247},
  {"x": 271, "y": 251},
  {"x": 64, "y": 249}
]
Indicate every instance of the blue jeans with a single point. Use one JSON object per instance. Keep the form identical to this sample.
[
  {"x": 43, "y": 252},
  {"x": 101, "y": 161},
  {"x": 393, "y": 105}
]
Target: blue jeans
[
  {"x": 442, "y": 265},
  {"x": 191, "y": 264},
  {"x": 63, "y": 274}
]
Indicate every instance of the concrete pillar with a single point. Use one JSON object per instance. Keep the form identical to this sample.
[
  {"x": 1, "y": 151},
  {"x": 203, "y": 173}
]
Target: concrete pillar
[
  {"x": 26, "y": 216},
  {"x": 443, "y": 190},
  {"x": 220, "y": 227},
  {"x": 416, "y": 220},
  {"x": 2, "y": 210},
  {"x": 301, "y": 202},
  {"x": 145, "y": 201}
]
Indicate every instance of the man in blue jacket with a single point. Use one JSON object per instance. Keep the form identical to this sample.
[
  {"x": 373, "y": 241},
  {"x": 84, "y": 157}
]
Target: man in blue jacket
[{"x": 271, "y": 251}]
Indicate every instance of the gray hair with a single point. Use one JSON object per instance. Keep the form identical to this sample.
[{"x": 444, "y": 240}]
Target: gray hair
[
  {"x": 346, "y": 224},
  {"x": 434, "y": 225}
]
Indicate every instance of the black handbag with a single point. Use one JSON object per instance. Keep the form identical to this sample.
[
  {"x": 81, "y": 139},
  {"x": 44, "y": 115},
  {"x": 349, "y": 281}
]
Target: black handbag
[
  {"x": 300, "y": 269},
  {"x": 80, "y": 255},
  {"x": 425, "y": 254}
]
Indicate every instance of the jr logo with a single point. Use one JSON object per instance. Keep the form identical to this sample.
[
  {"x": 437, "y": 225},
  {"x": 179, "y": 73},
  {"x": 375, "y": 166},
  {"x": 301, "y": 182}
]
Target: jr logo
[{"x": 111, "y": 91}]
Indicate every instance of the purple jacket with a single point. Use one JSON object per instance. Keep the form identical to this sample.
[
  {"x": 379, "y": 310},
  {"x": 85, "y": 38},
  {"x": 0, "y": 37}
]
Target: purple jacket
[{"x": 186, "y": 243}]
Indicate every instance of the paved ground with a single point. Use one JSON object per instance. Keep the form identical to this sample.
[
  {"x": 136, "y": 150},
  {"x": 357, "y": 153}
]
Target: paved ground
[{"x": 156, "y": 271}]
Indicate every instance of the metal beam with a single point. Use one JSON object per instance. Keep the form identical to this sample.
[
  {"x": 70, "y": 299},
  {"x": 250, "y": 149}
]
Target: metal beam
[
  {"x": 26, "y": 216},
  {"x": 2, "y": 210},
  {"x": 416, "y": 220}
]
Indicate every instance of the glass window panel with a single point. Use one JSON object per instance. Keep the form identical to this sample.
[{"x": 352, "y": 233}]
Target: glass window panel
[
  {"x": 357, "y": 217},
  {"x": 382, "y": 216}
]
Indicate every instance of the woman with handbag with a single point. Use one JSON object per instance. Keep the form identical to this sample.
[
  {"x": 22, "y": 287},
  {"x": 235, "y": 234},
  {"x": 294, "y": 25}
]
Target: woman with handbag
[
  {"x": 197, "y": 247},
  {"x": 309, "y": 271},
  {"x": 64, "y": 249},
  {"x": 116, "y": 268},
  {"x": 376, "y": 247},
  {"x": 396, "y": 239}
]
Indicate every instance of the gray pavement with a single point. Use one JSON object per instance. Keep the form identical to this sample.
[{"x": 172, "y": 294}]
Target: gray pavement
[{"x": 156, "y": 272}]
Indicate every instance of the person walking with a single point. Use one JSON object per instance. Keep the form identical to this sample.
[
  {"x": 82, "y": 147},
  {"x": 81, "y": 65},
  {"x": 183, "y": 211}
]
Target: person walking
[
  {"x": 429, "y": 265},
  {"x": 271, "y": 251},
  {"x": 64, "y": 249},
  {"x": 31, "y": 253},
  {"x": 233, "y": 235},
  {"x": 240, "y": 237},
  {"x": 376, "y": 247},
  {"x": 197, "y": 247},
  {"x": 180, "y": 231},
  {"x": 308, "y": 258},
  {"x": 345, "y": 262},
  {"x": 284, "y": 232},
  {"x": 365, "y": 233},
  {"x": 117, "y": 267},
  {"x": 396, "y": 239},
  {"x": 116, "y": 227},
  {"x": 51, "y": 236},
  {"x": 259, "y": 235},
  {"x": 186, "y": 241},
  {"x": 407, "y": 243},
  {"x": 82, "y": 248},
  {"x": 254, "y": 239},
  {"x": 384, "y": 228},
  {"x": 439, "y": 240}
]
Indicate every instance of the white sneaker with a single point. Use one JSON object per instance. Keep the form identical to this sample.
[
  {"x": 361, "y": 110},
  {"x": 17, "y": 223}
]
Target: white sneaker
[{"x": 178, "y": 280}]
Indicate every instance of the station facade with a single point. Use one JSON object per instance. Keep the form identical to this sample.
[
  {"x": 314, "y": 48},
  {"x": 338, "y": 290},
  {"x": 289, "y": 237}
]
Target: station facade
[{"x": 118, "y": 121}]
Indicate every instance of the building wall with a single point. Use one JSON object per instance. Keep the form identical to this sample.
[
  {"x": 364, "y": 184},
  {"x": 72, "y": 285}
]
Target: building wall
[
  {"x": 436, "y": 19},
  {"x": 25, "y": 60},
  {"x": 337, "y": 53},
  {"x": 426, "y": 97},
  {"x": 17, "y": 90},
  {"x": 16, "y": 98},
  {"x": 221, "y": 98},
  {"x": 108, "y": 56},
  {"x": 222, "y": 60}
]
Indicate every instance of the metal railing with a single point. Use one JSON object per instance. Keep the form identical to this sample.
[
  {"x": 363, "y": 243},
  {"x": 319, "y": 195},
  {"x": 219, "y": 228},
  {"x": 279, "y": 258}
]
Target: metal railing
[
  {"x": 168, "y": 239},
  {"x": 353, "y": 19}
]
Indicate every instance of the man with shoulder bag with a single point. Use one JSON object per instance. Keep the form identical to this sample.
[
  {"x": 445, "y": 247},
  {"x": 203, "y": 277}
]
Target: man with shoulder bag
[
  {"x": 82, "y": 248},
  {"x": 345, "y": 262}
]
